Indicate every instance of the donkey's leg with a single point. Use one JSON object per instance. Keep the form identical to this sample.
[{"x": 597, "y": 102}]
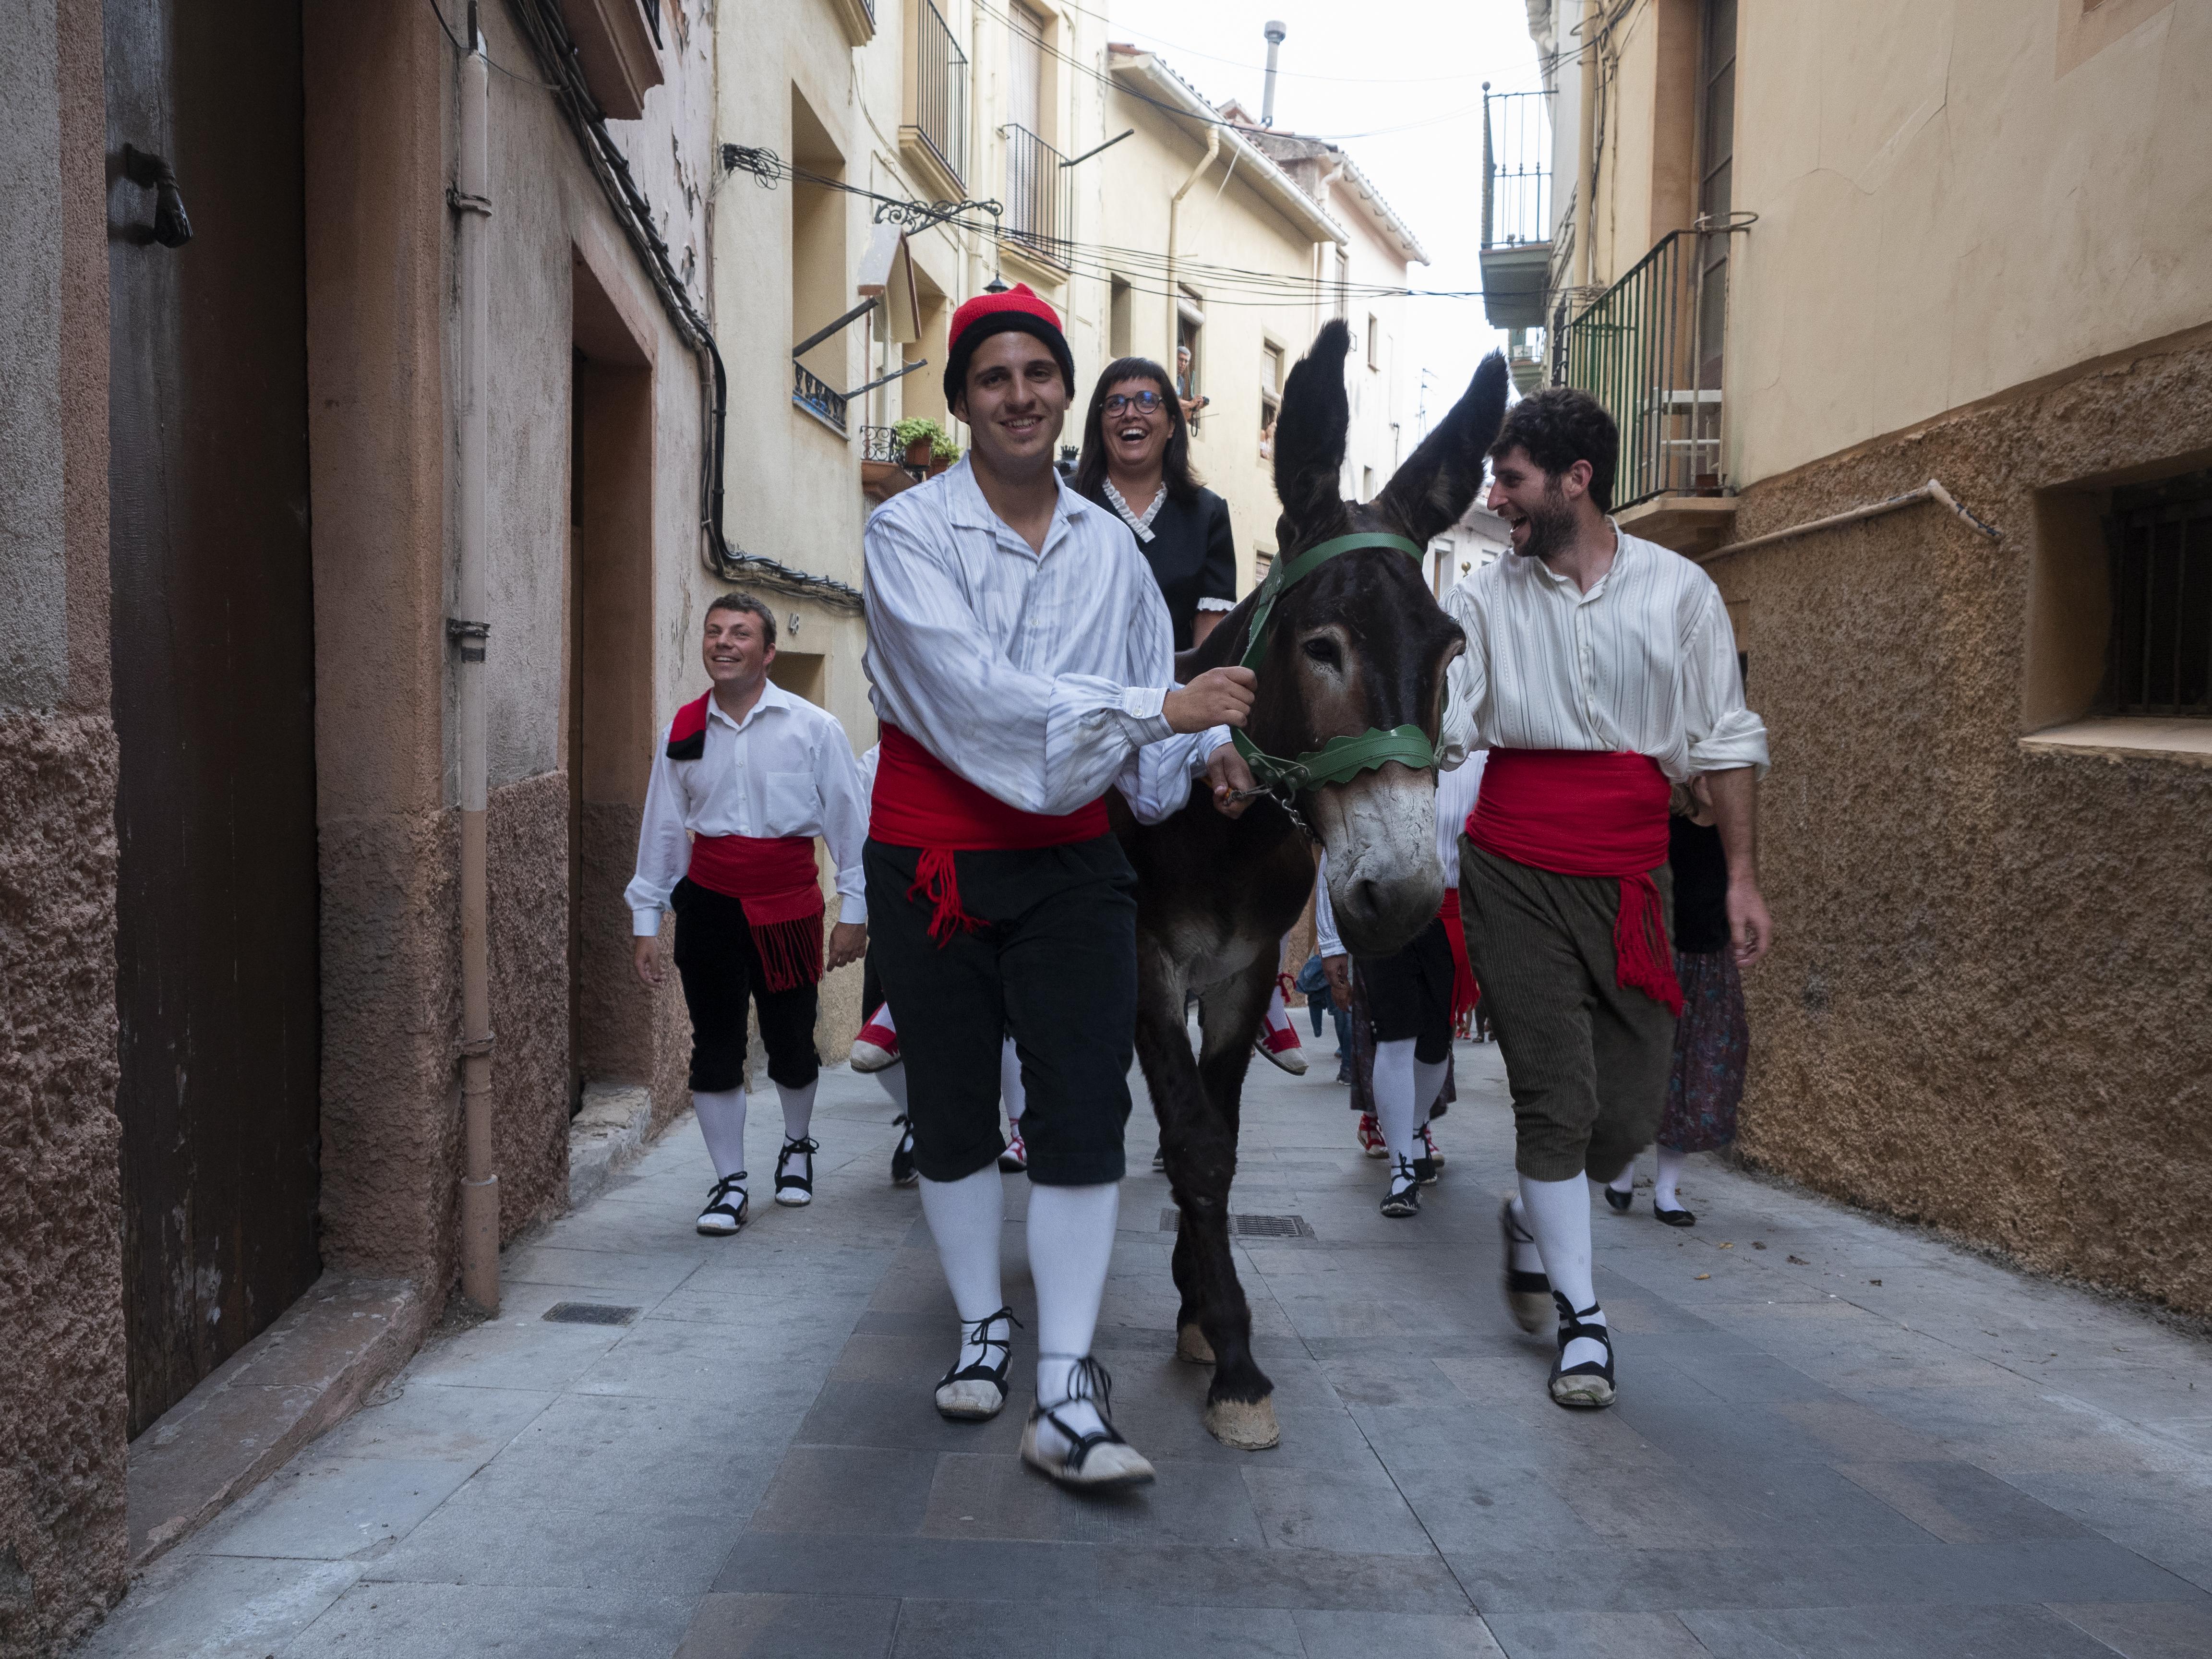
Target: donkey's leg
[
  {"x": 1239, "y": 1410},
  {"x": 1172, "y": 1078}
]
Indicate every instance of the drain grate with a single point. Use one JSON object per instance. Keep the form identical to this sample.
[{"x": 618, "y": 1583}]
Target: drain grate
[
  {"x": 589, "y": 1313},
  {"x": 1249, "y": 1226}
]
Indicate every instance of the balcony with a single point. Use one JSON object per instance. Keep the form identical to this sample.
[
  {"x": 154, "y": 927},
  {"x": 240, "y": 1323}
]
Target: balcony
[
  {"x": 1517, "y": 207},
  {"x": 1040, "y": 201},
  {"x": 813, "y": 393},
  {"x": 618, "y": 47},
  {"x": 934, "y": 133},
  {"x": 859, "y": 17},
  {"x": 1648, "y": 349}
]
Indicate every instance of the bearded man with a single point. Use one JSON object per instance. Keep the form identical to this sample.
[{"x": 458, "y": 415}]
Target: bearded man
[{"x": 1600, "y": 670}]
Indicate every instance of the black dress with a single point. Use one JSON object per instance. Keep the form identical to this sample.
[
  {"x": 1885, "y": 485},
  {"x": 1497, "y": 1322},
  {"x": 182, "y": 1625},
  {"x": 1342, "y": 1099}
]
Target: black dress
[{"x": 1192, "y": 556}]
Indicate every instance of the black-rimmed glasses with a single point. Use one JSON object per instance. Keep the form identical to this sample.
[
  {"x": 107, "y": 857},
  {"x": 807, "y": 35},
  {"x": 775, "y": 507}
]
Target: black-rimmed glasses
[{"x": 1149, "y": 403}]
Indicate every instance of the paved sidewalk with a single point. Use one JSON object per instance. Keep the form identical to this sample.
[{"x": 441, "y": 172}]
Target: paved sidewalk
[{"x": 1835, "y": 1438}]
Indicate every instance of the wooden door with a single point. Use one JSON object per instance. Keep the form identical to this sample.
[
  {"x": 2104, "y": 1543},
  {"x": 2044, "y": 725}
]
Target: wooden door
[{"x": 213, "y": 685}]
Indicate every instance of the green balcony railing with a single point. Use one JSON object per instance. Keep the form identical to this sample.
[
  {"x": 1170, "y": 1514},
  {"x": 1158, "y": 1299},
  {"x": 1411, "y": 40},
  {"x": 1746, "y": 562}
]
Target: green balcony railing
[{"x": 1648, "y": 349}]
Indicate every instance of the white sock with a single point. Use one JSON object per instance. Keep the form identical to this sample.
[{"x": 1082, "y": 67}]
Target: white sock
[
  {"x": 1071, "y": 1240},
  {"x": 1625, "y": 1181},
  {"x": 722, "y": 1122},
  {"x": 798, "y": 1109},
  {"x": 893, "y": 1078},
  {"x": 1277, "y": 1017},
  {"x": 1671, "y": 1165},
  {"x": 965, "y": 1217},
  {"x": 1428, "y": 1089},
  {"x": 882, "y": 1017},
  {"x": 1525, "y": 1257},
  {"x": 1558, "y": 1214},
  {"x": 1394, "y": 1097},
  {"x": 1010, "y": 1082}
]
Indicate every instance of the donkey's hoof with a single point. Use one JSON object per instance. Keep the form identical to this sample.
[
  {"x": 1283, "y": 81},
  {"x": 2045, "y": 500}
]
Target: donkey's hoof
[
  {"x": 1244, "y": 1424},
  {"x": 1192, "y": 1347}
]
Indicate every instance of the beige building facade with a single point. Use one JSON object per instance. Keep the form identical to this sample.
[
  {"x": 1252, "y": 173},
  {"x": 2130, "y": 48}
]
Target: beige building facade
[{"x": 1927, "y": 255}]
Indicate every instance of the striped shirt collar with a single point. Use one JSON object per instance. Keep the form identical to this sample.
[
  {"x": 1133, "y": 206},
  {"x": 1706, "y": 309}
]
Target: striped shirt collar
[{"x": 967, "y": 509}]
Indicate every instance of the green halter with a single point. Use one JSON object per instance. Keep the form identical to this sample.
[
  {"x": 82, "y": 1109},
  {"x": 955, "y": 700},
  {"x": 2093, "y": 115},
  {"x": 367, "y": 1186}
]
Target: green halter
[{"x": 1339, "y": 758}]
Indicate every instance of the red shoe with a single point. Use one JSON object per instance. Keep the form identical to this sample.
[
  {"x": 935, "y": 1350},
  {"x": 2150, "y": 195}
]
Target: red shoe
[
  {"x": 1016, "y": 1158},
  {"x": 1370, "y": 1137},
  {"x": 1434, "y": 1153},
  {"x": 1278, "y": 1038},
  {"x": 875, "y": 1048}
]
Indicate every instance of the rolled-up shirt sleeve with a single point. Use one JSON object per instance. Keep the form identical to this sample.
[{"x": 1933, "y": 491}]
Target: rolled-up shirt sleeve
[
  {"x": 1723, "y": 734},
  {"x": 1464, "y": 681},
  {"x": 664, "y": 851},
  {"x": 844, "y": 819},
  {"x": 1048, "y": 744}
]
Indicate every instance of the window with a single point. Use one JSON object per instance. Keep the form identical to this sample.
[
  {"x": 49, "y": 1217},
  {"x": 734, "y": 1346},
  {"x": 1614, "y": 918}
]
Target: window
[
  {"x": 1271, "y": 396},
  {"x": 1191, "y": 356},
  {"x": 1715, "y": 167},
  {"x": 1374, "y": 341},
  {"x": 1118, "y": 302},
  {"x": 1343, "y": 284},
  {"x": 2161, "y": 541},
  {"x": 1366, "y": 483}
]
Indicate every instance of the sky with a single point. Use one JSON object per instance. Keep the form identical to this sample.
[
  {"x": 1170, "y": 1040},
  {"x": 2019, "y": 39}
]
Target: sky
[{"x": 1406, "y": 73}]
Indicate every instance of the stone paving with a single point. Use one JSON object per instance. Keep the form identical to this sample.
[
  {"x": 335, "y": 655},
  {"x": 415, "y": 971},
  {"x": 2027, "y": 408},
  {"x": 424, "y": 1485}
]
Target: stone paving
[{"x": 1836, "y": 1438}]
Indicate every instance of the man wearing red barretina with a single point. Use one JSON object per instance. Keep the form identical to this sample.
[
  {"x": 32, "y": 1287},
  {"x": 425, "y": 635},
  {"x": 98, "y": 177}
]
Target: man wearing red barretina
[
  {"x": 1600, "y": 670},
  {"x": 1023, "y": 663}
]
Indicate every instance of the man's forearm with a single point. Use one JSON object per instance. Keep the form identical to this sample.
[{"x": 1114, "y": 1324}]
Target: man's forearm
[{"x": 1735, "y": 815}]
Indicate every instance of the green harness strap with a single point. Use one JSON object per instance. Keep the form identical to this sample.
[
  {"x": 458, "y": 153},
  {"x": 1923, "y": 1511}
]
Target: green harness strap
[{"x": 1339, "y": 758}]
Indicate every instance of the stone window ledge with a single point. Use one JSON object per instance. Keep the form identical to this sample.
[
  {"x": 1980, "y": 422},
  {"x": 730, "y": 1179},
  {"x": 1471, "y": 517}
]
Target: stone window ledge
[{"x": 2117, "y": 737}]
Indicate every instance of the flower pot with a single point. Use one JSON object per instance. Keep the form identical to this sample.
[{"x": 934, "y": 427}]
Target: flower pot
[
  {"x": 937, "y": 465},
  {"x": 917, "y": 453}
]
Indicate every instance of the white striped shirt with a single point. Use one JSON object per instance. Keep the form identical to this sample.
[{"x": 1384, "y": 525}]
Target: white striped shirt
[
  {"x": 1645, "y": 661},
  {"x": 1038, "y": 676}
]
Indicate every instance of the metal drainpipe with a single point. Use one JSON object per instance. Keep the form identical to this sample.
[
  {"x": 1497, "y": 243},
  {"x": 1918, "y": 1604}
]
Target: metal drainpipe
[
  {"x": 1175, "y": 213},
  {"x": 1586, "y": 159},
  {"x": 479, "y": 1184}
]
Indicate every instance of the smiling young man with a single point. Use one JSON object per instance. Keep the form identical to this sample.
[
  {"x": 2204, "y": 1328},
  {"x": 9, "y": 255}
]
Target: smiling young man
[
  {"x": 1022, "y": 663},
  {"x": 743, "y": 780},
  {"x": 1600, "y": 670}
]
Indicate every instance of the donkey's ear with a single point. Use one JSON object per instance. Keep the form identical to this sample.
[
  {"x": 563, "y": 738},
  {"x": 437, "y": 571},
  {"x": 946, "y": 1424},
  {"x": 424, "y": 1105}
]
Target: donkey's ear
[
  {"x": 1427, "y": 494},
  {"x": 1311, "y": 429}
]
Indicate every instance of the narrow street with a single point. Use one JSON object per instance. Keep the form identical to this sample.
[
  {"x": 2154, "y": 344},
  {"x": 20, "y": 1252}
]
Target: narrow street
[{"x": 1835, "y": 1437}]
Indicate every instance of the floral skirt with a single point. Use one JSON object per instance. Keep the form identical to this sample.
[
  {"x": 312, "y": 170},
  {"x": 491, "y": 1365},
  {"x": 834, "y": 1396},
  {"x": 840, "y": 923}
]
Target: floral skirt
[{"x": 1711, "y": 1041}]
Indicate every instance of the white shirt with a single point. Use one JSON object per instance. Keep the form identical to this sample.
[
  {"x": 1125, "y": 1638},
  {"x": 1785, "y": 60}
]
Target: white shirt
[
  {"x": 1038, "y": 676},
  {"x": 1645, "y": 661},
  {"x": 1457, "y": 790},
  {"x": 785, "y": 769}
]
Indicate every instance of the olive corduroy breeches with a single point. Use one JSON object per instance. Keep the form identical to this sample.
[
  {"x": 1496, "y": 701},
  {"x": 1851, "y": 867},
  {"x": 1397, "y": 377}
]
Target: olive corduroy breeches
[{"x": 1586, "y": 1061}]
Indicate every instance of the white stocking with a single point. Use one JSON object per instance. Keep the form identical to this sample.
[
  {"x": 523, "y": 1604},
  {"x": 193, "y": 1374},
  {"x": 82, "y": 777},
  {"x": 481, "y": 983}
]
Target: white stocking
[
  {"x": 893, "y": 1078},
  {"x": 1394, "y": 1097},
  {"x": 798, "y": 1109},
  {"x": 1428, "y": 1088},
  {"x": 722, "y": 1124},
  {"x": 883, "y": 1016},
  {"x": 1277, "y": 1017},
  {"x": 1558, "y": 1214},
  {"x": 1625, "y": 1181},
  {"x": 965, "y": 1217},
  {"x": 1071, "y": 1239},
  {"x": 1010, "y": 1082},
  {"x": 1671, "y": 1165}
]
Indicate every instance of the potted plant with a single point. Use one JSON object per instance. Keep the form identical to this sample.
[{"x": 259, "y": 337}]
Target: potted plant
[
  {"x": 919, "y": 437},
  {"x": 943, "y": 453}
]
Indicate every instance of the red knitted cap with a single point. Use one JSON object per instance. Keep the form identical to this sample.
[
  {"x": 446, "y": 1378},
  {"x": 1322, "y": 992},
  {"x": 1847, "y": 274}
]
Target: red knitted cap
[{"x": 1021, "y": 297}]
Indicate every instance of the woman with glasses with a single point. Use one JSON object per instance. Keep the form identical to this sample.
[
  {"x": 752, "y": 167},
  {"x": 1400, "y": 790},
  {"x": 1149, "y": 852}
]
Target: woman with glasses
[{"x": 1136, "y": 463}]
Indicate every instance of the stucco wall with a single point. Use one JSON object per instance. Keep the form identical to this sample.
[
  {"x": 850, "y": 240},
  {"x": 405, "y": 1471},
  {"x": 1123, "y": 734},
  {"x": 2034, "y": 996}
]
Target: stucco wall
[
  {"x": 1955, "y": 198},
  {"x": 527, "y": 837},
  {"x": 1987, "y": 1006},
  {"x": 62, "y": 1387}
]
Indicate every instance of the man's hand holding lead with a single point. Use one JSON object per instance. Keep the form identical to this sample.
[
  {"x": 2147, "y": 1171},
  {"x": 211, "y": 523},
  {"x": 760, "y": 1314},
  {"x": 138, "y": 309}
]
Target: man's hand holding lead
[
  {"x": 1219, "y": 696},
  {"x": 1227, "y": 777}
]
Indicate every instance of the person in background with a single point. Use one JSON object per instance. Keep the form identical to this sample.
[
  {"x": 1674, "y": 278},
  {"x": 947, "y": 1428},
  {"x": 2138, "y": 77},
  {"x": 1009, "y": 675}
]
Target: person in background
[
  {"x": 745, "y": 778},
  {"x": 1188, "y": 401},
  {"x": 1712, "y": 1039}
]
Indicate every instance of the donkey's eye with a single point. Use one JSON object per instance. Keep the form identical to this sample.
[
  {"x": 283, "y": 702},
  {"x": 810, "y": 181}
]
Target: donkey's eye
[{"x": 1322, "y": 649}]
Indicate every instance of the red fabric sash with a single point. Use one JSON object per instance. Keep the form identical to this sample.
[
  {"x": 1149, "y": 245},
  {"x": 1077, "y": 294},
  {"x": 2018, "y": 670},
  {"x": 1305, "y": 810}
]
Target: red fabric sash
[
  {"x": 1577, "y": 812},
  {"x": 922, "y": 802},
  {"x": 775, "y": 880},
  {"x": 1465, "y": 992}
]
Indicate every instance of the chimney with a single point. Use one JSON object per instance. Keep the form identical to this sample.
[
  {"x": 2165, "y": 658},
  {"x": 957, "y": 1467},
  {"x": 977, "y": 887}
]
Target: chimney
[{"x": 1275, "y": 32}]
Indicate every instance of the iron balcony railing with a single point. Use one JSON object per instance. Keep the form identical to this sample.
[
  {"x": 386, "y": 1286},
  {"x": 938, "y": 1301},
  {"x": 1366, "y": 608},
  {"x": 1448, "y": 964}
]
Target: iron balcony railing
[
  {"x": 1640, "y": 349},
  {"x": 1040, "y": 197},
  {"x": 810, "y": 392},
  {"x": 1516, "y": 167},
  {"x": 940, "y": 95},
  {"x": 877, "y": 444}
]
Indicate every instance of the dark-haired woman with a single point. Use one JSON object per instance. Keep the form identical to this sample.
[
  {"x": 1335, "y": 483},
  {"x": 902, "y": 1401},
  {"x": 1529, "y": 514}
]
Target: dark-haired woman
[{"x": 1136, "y": 463}]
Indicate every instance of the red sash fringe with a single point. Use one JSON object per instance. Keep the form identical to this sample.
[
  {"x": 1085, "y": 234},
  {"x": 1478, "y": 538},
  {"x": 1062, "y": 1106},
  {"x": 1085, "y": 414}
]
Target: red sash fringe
[
  {"x": 775, "y": 880},
  {"x": 1577, "y": 812},
  {"x": 1465, "y": 992},
  {"x": 922, "y": 802}
]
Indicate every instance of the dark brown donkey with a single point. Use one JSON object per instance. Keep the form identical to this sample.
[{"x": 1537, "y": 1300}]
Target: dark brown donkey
[{"x": 1358, "y": 644}]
